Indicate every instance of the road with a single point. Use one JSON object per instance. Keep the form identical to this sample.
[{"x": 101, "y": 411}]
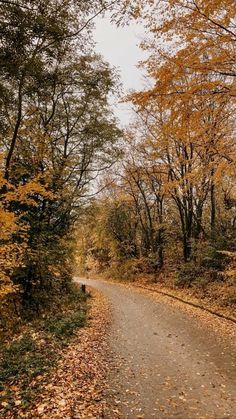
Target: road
[{"x": 166, "y": 363}]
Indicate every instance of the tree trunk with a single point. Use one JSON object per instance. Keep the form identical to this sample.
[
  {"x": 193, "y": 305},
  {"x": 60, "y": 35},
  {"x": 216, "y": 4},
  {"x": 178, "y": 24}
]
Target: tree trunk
[
  {"x": 186, "y": 247},
  {"x": 213, "y": 207},
  {"x": 160, "y": 249},
  {"x": 16, "y": 130}
]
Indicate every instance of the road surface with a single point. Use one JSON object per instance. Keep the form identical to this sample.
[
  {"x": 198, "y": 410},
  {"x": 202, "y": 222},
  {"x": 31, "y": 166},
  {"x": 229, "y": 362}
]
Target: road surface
[{"x": 166, "y": 363}]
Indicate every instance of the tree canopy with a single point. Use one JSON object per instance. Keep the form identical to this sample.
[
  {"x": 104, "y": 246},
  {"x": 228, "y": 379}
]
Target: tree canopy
[{"x": 57, "y": 134}]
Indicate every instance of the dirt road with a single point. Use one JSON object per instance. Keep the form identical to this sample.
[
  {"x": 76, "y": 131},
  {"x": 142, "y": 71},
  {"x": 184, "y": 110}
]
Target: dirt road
[{"x": 166, "y": 363}]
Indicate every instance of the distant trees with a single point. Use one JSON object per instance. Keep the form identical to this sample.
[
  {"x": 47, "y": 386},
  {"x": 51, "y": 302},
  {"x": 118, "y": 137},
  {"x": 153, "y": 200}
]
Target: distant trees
[{"x": 191, "y": 139}]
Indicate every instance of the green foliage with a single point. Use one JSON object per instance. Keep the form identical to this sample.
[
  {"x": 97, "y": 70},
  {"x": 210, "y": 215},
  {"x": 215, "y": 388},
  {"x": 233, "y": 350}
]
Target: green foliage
[
  {"x": 29, "y": 356},
  {"x": 127, "y": 270},
  {"x": 207, "y": 255},
  {"x": 65, "y": 326},
  {"x": 24, "y": 359},
  {"x": 187, "y": 274},
  {"x": 204, "y": 268}
]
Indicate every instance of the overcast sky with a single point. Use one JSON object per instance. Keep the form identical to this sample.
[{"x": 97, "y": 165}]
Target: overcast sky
[{"x": 119, "y": 46}]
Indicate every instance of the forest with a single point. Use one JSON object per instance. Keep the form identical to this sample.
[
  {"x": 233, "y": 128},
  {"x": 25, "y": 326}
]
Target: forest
[
  {"x": 168, "y": 198},
  {"x": 57, "y": 134},
  {"x": 154, "y": 201},
  {"x": 168, "y": 210}
]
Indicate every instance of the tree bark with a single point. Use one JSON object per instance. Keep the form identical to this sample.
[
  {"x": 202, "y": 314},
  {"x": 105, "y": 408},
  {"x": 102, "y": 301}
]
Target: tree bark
[{"x": 15, "y": 133}]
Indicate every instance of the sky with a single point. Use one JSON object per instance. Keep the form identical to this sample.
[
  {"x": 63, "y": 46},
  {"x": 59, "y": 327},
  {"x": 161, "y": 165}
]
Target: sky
[{"x": 119, "y": 46}]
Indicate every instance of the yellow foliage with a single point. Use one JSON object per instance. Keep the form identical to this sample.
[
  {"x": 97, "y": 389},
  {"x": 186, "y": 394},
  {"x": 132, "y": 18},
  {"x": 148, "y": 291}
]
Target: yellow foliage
[{"x": 12, "y": 251}]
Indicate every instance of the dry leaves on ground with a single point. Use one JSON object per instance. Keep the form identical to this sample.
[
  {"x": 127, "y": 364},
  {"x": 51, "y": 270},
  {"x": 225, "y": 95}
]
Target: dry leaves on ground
[{"x": 77, "y": 388}]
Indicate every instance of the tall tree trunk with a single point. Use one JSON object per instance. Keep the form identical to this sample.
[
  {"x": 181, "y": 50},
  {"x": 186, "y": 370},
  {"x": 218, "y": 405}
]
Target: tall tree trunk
[
  {"x": 186, "y": 247},
  {"x": 160, "y": 248},
  {"x": 16, "y": 130},
  {"x": 213, "y": 205},
  {"x": 186, "y": 233},
  {"x": 198, "y": 221}
]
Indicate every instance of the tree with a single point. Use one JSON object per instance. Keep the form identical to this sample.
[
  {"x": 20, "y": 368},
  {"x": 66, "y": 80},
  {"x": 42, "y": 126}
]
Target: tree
[
  {"x": 35, "y": 39},
  {"x": 174, "y": 190},
  {"x": 199, "y": 35},
  {"x": 58, "y": 132},
  {"x": 188, "y": 113}
]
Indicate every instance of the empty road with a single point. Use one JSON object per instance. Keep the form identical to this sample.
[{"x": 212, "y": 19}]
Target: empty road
[{"x": 166, "y": 363}]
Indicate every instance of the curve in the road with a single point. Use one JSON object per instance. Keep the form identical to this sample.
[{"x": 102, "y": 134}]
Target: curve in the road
[{"x": 166, "y": 364}]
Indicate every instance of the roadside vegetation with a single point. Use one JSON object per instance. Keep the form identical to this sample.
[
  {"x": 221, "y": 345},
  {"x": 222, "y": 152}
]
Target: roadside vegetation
[
  {"x": 57, "y": 134},
  {"x": 30, "y": 354}
]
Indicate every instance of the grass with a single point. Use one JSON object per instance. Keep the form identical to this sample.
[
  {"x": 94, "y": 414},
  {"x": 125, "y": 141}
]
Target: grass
[
  {"x": 27, "y": 359},
  {"x": 63, "y": 327}
]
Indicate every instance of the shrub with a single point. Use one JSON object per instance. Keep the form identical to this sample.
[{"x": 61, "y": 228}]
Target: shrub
[
  {"x": 208, "y": 256},
  {"x": 27, "y": 358},
  {"x": 126, "y": 270},
  {"x": 23, "y": 359},
  {"x": 65, "y": 326},
  {"x": 187, "y": 274}
]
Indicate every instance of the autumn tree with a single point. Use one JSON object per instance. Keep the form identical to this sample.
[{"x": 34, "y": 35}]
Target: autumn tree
[
  {"x": 189, "y": 109},
  {"x": 178, "y": 172},
  {"x": 35, "y": 38},
  {"x": 197, "y": 33}
]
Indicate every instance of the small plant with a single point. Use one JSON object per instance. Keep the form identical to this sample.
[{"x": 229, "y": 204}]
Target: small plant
[
  {"x": 231, "y": 299},
  {"x": 23, "y": 360},
  {"x": 27, "y": 359},
  {"x": 187, "y": 274},
  {"x": 65, "y": 326}
]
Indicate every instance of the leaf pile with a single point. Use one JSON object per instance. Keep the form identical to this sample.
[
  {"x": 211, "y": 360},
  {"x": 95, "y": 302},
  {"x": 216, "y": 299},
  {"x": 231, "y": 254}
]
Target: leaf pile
[{"x": 77, "y": 388}]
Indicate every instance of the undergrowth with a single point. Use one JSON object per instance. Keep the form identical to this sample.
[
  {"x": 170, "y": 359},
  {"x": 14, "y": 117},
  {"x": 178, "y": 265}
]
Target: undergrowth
[{"x": 28, "y": 357}]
